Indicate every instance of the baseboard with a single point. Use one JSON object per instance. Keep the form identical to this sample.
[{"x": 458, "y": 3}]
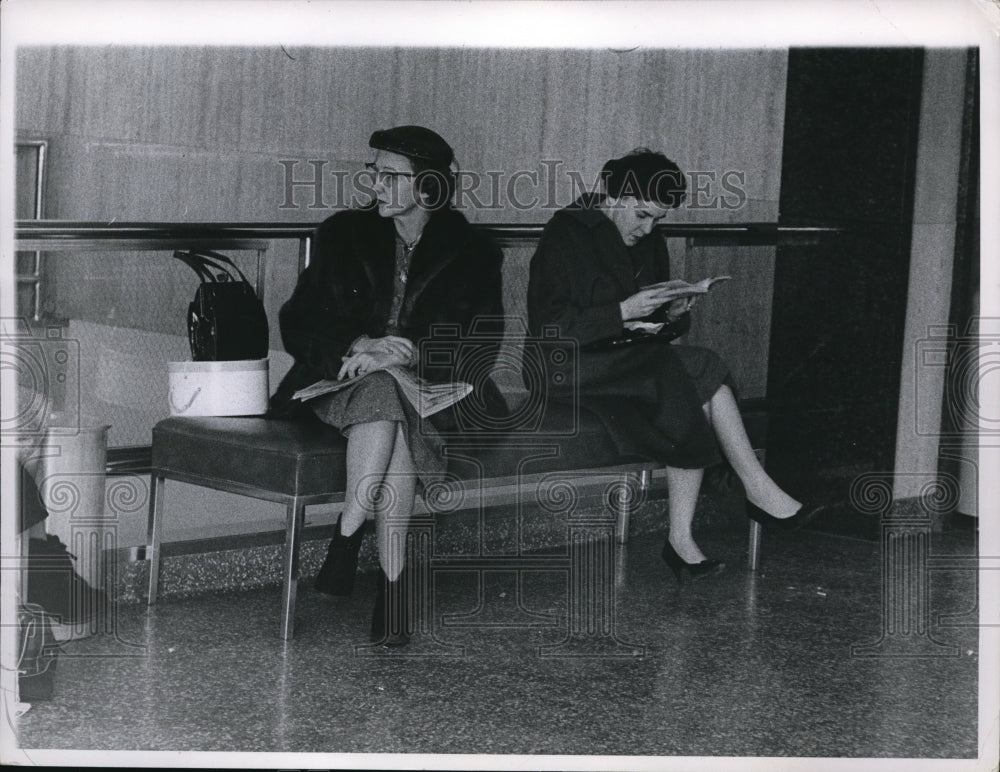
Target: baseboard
[{"x": 256, "y": 560}]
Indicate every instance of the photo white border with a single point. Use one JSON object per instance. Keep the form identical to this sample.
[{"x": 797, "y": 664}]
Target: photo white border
[{"x": 491, "y": 23}]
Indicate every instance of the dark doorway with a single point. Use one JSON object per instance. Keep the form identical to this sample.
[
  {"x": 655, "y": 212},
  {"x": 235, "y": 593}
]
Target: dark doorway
[{"x": 849, "y": 154}]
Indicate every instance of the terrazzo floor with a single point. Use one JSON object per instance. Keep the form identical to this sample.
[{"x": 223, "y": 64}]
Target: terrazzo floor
[{"x": 739, "y": 665}]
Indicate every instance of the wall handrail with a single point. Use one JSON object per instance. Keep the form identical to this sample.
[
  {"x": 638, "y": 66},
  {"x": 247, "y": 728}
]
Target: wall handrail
[{"x": 73, "y": 234}]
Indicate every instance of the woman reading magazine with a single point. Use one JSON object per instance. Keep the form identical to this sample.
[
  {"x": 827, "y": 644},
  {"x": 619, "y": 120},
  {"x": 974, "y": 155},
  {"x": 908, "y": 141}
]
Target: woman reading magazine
[
  {"x": 381, "y": 281},
  {"x": 601, "y": 275}
]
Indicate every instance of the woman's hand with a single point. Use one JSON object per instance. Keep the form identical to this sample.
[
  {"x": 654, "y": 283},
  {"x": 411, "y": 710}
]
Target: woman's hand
[
  {"x": 679, "y": 307},
  {"x": 389, "y": 344},
  {"x": 364, "y": 363},
  {"x": 642, "y": 303}
]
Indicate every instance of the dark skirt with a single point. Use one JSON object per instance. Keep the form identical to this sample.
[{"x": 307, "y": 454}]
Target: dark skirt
[
  {"x": 650, "y": 399},
  {"x": 377, "y": 397},
  {"x": 705, "y": 368}
]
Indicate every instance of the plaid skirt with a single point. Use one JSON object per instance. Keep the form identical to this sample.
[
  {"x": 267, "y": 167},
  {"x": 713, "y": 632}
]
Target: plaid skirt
[{"x": 377, "y": 397}]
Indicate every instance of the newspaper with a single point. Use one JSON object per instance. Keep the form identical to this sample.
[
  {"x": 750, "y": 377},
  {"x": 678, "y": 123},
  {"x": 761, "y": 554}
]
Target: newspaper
[{"x": 427, "y": 397}]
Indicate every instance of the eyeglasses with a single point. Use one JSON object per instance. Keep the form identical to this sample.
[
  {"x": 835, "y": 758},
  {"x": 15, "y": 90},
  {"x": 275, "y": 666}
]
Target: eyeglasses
[{"x": 386, "y": 176}]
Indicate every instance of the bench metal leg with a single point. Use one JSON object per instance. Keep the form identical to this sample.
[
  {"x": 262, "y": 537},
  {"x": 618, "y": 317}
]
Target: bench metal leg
[
  {"x": 753, "y": 545},
  {"x": 753, "y": 552},
  {"x": 153, "y": 536},
  {"x": 296, "y": 516},
  {"x": 634, "y": 485}
]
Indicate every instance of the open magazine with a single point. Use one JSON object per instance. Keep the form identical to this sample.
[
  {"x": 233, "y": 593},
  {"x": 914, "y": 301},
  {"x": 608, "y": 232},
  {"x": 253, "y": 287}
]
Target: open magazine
[
  {"x": 426, "y": 396},
  {"x": 678, "y": 288},
  {"x": 675, "y": 289}
]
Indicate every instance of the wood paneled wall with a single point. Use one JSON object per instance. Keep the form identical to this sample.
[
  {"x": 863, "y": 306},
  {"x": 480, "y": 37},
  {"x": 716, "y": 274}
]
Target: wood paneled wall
[{"x": 198, "y": 133}]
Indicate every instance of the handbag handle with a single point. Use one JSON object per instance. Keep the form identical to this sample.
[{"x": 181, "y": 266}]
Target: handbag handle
[
  {"x": 207, "y": 256},
  {"x": 197, "y": 266}
]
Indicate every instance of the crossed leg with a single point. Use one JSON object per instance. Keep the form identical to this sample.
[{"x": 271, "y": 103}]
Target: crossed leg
[
  {"x": 380, "y": 480},
  {"x": 724, "y": 416}
]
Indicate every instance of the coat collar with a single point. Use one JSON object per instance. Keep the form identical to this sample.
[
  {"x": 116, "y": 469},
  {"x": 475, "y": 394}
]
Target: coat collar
[
  {"x": 377, "y": 239},
  {"x": 436, "y": 250},
  {"x": 585, "y": 210},
  {"x": 613, "y": 251}
]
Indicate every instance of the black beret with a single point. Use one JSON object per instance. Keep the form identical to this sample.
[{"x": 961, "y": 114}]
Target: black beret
[{"x": 414, "y": 142}]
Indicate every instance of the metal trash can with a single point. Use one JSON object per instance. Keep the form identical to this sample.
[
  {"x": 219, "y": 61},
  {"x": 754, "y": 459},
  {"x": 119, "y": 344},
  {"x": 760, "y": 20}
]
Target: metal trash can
[{"x": 72, "y": 485}]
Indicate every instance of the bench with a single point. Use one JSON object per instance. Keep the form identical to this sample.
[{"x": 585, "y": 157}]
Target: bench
[{"x": 298, "y": 464}]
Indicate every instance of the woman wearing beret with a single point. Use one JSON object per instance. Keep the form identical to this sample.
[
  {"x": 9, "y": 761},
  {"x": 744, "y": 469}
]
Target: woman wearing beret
[
  {"x": 669, "y": 403},
  {"x": 381, "y": 279}
]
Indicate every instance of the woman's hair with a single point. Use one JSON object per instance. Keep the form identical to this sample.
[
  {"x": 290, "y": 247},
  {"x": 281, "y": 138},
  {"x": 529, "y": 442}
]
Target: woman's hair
[
  {"x": 435, "y": 182},
  {"x": 645, "y": 175}
]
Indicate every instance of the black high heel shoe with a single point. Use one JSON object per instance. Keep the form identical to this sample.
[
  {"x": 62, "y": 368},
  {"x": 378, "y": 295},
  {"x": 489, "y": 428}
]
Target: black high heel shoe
[
  {"x": 684, "y": 570},
  {"x": 805, "y": 514}
]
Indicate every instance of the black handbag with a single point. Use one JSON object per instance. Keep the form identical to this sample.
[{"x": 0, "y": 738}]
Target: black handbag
[
  {"x": 671, "y": 331},
  {"x": 226, "y": 320}
]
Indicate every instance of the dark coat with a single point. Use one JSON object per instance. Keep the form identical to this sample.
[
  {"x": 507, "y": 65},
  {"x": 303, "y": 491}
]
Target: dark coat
[
  {"x": 346, "y": 291},
  {"x": 643, "y": 393}
]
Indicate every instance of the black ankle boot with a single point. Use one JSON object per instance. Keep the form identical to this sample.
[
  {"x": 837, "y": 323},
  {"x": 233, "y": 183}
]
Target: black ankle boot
[
  {"x": 391, "y": 617},
  {"x": 336, "y": 577}
]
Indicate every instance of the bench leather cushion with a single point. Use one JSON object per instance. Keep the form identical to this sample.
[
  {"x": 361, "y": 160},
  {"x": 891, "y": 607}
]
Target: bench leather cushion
[{"x": 307, "y": 458}]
